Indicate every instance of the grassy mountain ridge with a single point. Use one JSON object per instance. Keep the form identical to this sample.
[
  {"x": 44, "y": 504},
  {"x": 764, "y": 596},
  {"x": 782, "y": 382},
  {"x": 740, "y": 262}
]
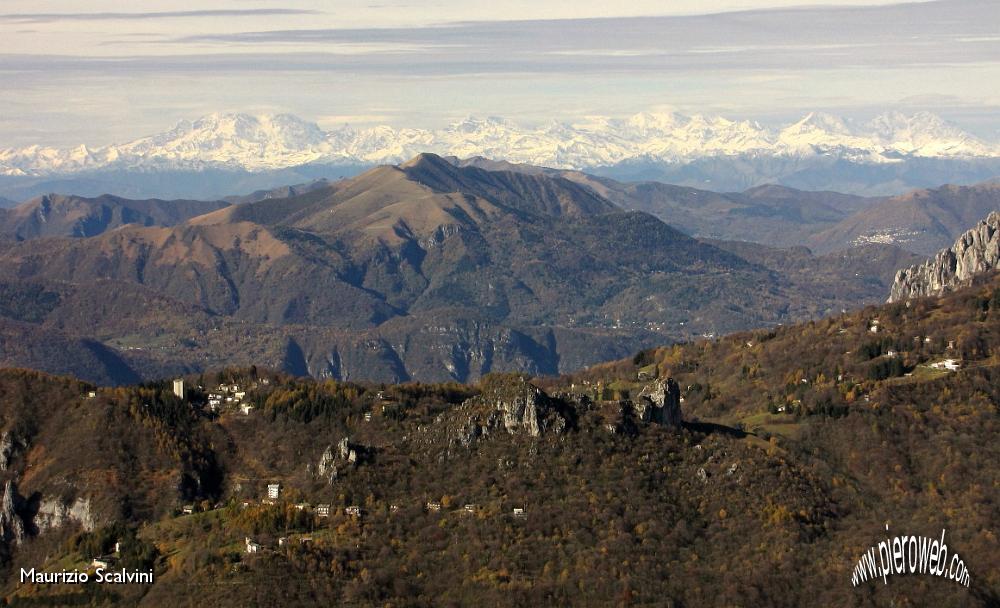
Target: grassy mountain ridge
[
  {"x": 488, "y": 269},
  {"x": 58, "y": 215},
  {"x": 923, "y": 221}
]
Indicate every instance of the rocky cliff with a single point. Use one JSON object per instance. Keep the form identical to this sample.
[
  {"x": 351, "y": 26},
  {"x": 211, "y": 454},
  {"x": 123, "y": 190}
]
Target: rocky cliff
[
  {"x": 975, "y": 252},
  {"x": 510, "y": 404},
  {"x": 11, "y": 524},
  {"x": 660, "y": 403}
]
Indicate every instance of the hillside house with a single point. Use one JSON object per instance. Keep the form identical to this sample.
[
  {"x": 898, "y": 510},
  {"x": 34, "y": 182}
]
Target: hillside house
[
  {"x": 952, "y": 365},
  {"x": 246, "y": 408},
  {"x": 323, "y": 510},
  {"x": 393, "y": 508},
  {"x": 104, "y": 562},
  {"x": 187, "y": 509},
  {"x": 891, "y": 354},
  {"x": 252, "y": 546},
  {"x": 273, "y": 490},
  {"x": 368, "y": 416},
  {"x": 470, "y": 508},
  {"x": 433, "y": 506},
  {"x": 519, "y": 513},
  {"x": 179, "y": 388},
  {"x": 353, "y": 511},
  {"x": 302, "y": 506},
  {"x": 282, "y": 541}
]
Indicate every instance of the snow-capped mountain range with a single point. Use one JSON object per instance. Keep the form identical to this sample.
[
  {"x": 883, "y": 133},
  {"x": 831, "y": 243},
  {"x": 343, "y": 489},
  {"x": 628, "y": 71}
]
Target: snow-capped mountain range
[{"x": 267, "y": 142}]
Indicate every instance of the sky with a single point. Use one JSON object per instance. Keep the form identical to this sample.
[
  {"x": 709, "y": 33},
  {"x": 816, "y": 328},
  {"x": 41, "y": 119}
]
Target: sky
[{"x": 101, "y": 71}]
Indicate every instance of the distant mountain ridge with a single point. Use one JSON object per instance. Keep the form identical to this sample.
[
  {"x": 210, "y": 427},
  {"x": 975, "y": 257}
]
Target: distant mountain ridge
[
  {"x": 269, "y": 142},
  {"x": 59, "y": 215},
  {"x": 424, "y": 270},
  {"x": 923, "y": 221}
]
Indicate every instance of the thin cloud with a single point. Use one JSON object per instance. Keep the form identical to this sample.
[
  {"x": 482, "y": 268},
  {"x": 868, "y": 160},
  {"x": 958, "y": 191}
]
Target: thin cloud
[{"x": 55, "y": 17}]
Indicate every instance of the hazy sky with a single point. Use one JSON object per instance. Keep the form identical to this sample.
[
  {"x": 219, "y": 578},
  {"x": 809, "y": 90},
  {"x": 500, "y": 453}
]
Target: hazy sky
[{"x": 101, "y": 71}]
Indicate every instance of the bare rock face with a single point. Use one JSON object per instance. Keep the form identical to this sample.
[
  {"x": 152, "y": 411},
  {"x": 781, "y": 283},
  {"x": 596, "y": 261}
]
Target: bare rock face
[
  {"x": 327, "y": 467},
  {"x": 659, "y": 403},
  {"x": 8, "y": 449},
  {"x": 53, "y": 513},
  {"x": 511, "y": 405},
  {"x": 975, "y": 252},
  {"x": 345, "y": 454},
  {"x": 11, "y": 524},
  {"x": 524, "y": 408}
]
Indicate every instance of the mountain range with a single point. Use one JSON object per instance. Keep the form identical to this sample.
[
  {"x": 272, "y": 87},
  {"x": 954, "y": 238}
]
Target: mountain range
[
  {"x": 888, "y": 154},
  {"x": 922, "y": 221},
  {"x": 425, "y": 270}
]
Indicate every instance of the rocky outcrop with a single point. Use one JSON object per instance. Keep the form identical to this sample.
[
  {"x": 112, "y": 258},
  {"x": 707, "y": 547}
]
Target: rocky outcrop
[
  {"x": 11, "y": 524},
  {"x": 9, "y": 446},
  {"x": 659, "y": 403},
  {"x": 53, "y": 513},
  {"x": 332, "y": 459},
  {"x": 522, "y": 407},
  {"x": 512, "y": 405},
  {"x": 975, "y": 252}
]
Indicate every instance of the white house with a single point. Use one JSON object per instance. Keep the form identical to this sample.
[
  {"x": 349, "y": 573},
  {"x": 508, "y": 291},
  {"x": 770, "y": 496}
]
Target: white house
[
  {"x": 323, "y": 510},
  {"x": 273, "y": 490},
  {"x": 179, "y": 388},
  {"x": 951, "y": 365},
  {"x": 252, "y": 546}
]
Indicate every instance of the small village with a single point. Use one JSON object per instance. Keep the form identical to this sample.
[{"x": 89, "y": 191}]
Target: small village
[{"x": 322, "y": 513}]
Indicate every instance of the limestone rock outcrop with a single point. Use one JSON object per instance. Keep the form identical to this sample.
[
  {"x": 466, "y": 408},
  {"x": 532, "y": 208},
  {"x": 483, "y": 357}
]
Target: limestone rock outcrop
[
  {"x": 9, "y": 446},
  {"x": 512, "y": 405},
  {"x": 11, "y": 524},
  {"x": 53, "y": 513},
  {"x": 332, "y": 459},
  {"x": 659, "y": 403},
  {"x": 975, "y": 252}
]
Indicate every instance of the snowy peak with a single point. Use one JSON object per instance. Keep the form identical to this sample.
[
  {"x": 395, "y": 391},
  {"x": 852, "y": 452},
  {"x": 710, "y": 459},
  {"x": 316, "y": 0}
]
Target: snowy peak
[
  {"x": 926, "y": 134},
  {"x": 276, "y": 141}
]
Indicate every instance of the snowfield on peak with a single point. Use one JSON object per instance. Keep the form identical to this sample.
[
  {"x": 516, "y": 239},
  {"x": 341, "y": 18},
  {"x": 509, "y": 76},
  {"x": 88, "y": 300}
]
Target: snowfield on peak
[{"x": 266, "y": 142}]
